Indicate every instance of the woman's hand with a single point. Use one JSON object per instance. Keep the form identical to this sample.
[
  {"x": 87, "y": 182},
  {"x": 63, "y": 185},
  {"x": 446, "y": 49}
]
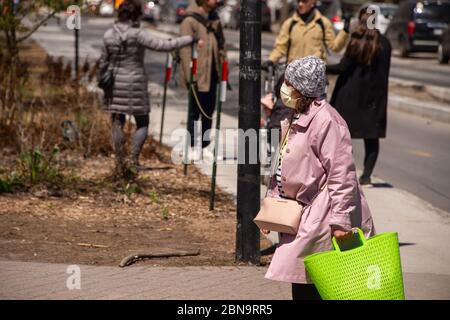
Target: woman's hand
[
  {"x": 200, "y": 43},
  {"x": 340, "y": 234}
]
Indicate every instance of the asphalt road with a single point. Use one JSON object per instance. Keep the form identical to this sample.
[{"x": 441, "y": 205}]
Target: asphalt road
[
  {"x": 420, "y": 67},
  {"x": 415, "y": 155}
]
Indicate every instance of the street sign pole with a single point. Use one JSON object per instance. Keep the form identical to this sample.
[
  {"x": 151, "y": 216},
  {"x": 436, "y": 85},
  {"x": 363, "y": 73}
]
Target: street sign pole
[{"x": 248, "y": 187}]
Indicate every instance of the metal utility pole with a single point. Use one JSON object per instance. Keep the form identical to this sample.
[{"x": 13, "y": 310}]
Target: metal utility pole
[
  {"x": 77, "y": 54},
  {"x": 248, "y": 188}
]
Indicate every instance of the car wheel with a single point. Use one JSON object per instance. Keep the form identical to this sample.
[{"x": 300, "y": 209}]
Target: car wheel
[
  {"x": 404, "y": 52},
  {"x": 442, "y": 58}
]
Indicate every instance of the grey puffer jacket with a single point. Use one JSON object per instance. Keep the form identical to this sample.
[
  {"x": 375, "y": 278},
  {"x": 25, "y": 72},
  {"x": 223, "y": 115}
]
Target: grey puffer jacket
[{"x": 130, "y": 92}]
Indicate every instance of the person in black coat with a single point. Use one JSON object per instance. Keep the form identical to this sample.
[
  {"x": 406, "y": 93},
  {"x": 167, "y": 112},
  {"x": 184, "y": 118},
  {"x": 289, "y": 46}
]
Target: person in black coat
[{"x": 361, "y": 91}]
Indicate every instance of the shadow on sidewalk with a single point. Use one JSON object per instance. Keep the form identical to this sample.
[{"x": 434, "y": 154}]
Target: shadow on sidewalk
[
  {"x": 403, "y": 244},
  {"x": 382, "y": 185}
]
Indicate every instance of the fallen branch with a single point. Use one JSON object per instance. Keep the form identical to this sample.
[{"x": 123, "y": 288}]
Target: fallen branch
[
  {"x": 141, "y": 256},
  {"x": 91, "y": 245}
]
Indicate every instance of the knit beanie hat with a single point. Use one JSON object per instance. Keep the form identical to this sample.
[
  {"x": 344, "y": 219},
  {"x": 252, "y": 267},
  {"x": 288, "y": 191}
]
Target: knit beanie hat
[{"x": 307, "y": 75}]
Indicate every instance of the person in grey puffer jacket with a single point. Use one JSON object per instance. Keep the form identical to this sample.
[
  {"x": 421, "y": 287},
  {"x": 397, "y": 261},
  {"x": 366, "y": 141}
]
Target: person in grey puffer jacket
[{"x": 124, "y": 47}]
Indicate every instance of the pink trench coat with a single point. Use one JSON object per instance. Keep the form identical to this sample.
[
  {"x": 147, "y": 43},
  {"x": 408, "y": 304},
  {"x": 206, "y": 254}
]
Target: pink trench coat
[{"x": 319, "y": 152}]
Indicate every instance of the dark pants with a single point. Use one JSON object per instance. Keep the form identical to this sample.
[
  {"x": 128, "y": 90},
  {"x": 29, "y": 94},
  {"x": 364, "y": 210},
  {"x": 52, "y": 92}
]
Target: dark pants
[
  {"x": 304, "y": 291},
  {"x": 208, "y": 102},
  {"x": 372, "y": 148},
  {"x": 139, "y": 137}
]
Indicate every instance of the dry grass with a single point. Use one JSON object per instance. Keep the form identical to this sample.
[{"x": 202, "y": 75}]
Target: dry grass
[{"x": 45, "y": 97}]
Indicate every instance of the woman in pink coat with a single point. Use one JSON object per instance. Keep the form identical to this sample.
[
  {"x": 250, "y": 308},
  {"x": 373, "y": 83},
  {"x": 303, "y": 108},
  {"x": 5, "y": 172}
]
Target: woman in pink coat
[{"x": 316, "y": 168}]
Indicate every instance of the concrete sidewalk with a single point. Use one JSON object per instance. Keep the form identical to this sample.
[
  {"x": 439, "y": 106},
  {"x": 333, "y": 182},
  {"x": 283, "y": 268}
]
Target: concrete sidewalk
[{"x": 30, "y": 280}]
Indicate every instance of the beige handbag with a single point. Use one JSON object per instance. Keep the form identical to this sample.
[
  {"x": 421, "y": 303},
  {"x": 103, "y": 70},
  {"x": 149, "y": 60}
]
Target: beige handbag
[{"x": 279, "y": 214}]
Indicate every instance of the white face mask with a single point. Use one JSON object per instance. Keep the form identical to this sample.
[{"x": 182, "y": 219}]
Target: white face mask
[{"x": 286, "y": 96}]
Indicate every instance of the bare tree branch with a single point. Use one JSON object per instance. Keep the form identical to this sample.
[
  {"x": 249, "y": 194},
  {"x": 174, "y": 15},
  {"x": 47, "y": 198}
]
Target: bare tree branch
[{"x": 37, "y": 26}]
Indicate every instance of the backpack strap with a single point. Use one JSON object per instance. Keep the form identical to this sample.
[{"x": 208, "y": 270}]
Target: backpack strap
[
  {"x": 322, "y": 26},
  {"x": 293, "y": 23}
]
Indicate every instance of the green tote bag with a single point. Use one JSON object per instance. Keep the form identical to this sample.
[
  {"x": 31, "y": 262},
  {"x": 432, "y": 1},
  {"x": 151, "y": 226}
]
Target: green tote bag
[{"x": 370, "y": 271}]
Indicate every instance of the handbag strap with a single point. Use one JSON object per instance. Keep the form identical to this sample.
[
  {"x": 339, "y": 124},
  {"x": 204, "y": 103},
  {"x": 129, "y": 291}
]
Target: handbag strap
[{"x": 280, "y": 149}]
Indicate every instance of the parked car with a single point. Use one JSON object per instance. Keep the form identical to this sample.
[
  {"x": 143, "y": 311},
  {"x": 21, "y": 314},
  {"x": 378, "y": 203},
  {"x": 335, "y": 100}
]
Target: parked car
[
  {"x": 386, "y": 13},
  {"x": 151, "y": 10},
  {"x": 444, "y": 47},
  {"x": 332, "y": 9},
  {"x": 231, "y": 12},
  {"x": 417, "y": 26}
]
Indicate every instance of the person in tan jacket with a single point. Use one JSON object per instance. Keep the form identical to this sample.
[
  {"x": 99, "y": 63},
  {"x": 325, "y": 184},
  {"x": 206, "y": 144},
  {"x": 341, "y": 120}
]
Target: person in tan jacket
[
  {"x": 307, "y": 32},
  {"x": 202, "y": 21}
]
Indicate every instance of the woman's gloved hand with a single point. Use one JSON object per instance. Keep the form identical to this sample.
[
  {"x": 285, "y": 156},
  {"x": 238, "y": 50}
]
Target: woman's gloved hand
[
  {"x": 347, "y": 19},
  {"x": 265, "y": 66}
]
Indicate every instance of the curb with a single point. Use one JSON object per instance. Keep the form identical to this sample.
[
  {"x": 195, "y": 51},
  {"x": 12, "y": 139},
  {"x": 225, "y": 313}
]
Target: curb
[
  {"x": 440, "y": 93},
  {"x": 433, "y": 111}
]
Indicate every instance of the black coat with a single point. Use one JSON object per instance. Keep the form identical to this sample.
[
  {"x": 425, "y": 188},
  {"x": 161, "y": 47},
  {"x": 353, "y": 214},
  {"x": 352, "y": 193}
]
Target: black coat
[{"x": 361, "y": 93}]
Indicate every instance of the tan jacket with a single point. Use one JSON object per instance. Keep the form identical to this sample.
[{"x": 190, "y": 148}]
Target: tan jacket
[
  {"x": 190, "y": 26},
  {"x": 307, "y": 39}
]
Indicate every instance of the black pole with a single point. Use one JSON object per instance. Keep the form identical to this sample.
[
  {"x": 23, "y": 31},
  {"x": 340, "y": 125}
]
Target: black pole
[
  {"x": 248, "y": 188},
  {"x": 77, "y": 50}
]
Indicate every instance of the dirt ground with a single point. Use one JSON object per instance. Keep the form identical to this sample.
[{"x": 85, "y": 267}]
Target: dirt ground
[
  {"x": 95, "y": 222},
  {"x": 91, "y": 219}
]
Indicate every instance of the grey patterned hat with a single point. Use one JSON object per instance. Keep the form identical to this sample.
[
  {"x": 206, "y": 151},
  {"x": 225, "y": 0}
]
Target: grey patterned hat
[{"x": 307, "y": 75}]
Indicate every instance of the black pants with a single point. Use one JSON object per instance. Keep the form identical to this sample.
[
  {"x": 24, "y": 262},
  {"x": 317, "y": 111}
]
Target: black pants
[
  {"x": 303, "y": 291},
  {"x": 372, "y": 148},
  {"x": 139, "y": 137},
  {"x": 208, "y": 102}
]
